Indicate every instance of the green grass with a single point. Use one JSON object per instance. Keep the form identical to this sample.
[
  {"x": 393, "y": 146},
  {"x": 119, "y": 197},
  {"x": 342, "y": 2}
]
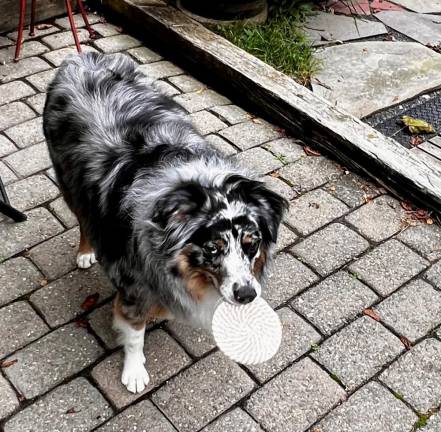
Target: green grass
[{"x": 278, "y": 42}]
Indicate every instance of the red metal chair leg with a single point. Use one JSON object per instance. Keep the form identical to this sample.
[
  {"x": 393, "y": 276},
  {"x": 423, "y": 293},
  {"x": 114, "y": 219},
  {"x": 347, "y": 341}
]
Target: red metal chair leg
[
  {"x": 72, "y": 25},
  {"x": 32, "y": 28},
  {"x": 86, "y": 21},
  {"x": 20, "y": 29}
]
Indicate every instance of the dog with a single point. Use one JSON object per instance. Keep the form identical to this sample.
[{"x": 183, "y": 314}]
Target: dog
[{"x": 176, "y": 226}]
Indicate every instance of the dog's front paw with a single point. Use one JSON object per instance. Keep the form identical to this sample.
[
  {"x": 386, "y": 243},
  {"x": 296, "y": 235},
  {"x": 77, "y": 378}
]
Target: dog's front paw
[
  {"x": 86, "y": 260},
  {"x": 135, "y": 377}
]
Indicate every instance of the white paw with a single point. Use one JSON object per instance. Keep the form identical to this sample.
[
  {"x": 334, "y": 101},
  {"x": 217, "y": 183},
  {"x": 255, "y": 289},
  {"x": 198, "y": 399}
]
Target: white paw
[
  {"x": 86, "y": 260},
  {"x": 135, "y": 377}
]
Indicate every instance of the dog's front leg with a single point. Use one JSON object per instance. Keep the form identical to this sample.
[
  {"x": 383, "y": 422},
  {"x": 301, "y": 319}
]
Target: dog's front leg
[{"x": 134, "y": 375}]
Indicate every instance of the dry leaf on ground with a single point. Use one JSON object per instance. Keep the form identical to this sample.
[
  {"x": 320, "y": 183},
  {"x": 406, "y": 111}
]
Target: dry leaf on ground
[
  {"x": 311, "y": 152},
  {"x": 417, "y": 126},
  {"x": 7, "y": 363},
  {"x": 372, "y": 314},
  {"x": 90, "y": 302}
]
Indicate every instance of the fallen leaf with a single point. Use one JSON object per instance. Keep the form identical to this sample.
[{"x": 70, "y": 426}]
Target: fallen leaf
[
  {"x": 43, "y": 282},
  {"x": 43, "y": 26},
  {"x": 372, "y": 314},
  {"x": 368, "y": 198},
  {"x": 406, "y": 342},
  {"x": 310, "y": 152},
  {"x": 7, "y": 363},
  {"x": 416, "y": 140},
  {"x": 406, "y": 205},
  {"x": 275, "y": 174},
  {"x": 422, "y": 214},
  {"x": 90, "y": 302},
  {"x": 81, "y": 322},
  {"x": 372, "y": 135},
  {"x": 417, "y": 126},
  {"x": 429, "y": 221}
]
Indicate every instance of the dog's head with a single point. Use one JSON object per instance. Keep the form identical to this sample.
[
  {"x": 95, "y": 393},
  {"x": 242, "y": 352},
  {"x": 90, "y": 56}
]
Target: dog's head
[{"x": 220, "y": 237}]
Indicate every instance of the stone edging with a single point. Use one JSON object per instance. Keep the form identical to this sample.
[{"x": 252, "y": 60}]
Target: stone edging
[{"x": 271, "y": 93}]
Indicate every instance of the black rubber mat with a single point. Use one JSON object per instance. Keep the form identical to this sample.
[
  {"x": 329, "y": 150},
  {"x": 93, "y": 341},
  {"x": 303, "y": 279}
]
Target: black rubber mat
[{"x": 427, "y": 108}]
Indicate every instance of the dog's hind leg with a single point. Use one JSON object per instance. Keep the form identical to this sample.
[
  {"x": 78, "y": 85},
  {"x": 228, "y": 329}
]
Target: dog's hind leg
[
  {"x": 86, "y": 255},
  {"x": 131, "y": 329}
]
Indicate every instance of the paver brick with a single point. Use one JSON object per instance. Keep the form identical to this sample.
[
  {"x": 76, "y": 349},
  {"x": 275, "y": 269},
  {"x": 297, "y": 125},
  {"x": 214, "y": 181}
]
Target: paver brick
[
  {"x": 18, "y": 276},
  {"x": 30, "y": 160},
  {"x": 13, "y": 114},
  {"x": 236, "y": 420},
  {"x": 29, "y": 49},
  {"x": 221, "y": 145},
  {"x": 196, "y": 341},
  {"x": 310, "y": 172},
  {"x": 31, "y": 192},
  {"x": 58, "y": 56},
  {"x": 164, "y": 358},
  {"x": 101, "y": 320},
  {"x": 144, "y": 55},
  {"x": 415, "y": 376},
  {"x": 49, "y": 28},
  {"x": 258, "y": 161},
  {"x": 78, "y": 20},
  {"x": 4, "y": 41},
  {"x": 433, "y": 424},
  {"x": 41, "y": 80},
  {"x": 141, "y": 417},
  {"x": 378, "y": 219},
  {"x": 388, "y": 266},
  {"x": 27, "y": 66},
  {"x": 37, "y": 102},
  {"x": 106, "y": 29},
  {"x": 200, "y": 100},
  {"x": 187, "y": 84},
  {"x": 6, "y": 174},
  {"x": 288, "y": 278},
  {"x": 297, "y": 338},
  {"x": 27, "y": 133},
  {"x": 352, "y": 189},
  {"x": 231, "y": 113},
  {"x": 249, "y": 134},
  {"x": 165, "y": 88},
  {"x": 161, "y": 69},
  {"x": 57, "y": 256},
  {"x": 295, "y": 399},
  {"x": 434, "y": 274},
  {"x": 330, "y": 248},
  {"x": 201, "y": 393},
  {"x": 373, "y": 409},
  {"x": 62, "y": 211},
  {"x": 413, "y": 311},
  {"x": 334, "y": 302},
  {"x": 13, "y": 91},
  {"x": 425, "y": 239},
  {"x": 51, "y": 359},
  {"x": 19, "y": 325},
  {"x": 64, "y": 39},
  {"x": 285, "y": 238},
  {"x": 73, "y": 407},
  {"x": 206, "y": 123},
  {"x": 358, "y": 352},
  {"x": 16, "y": 237},
  {"x": 314, "y": 209},
  {"x": 8, "y": 399},
  {"x": 286, "y": 149},
  {"x": 113, "y": 44},
  {"x": 279, "y": 186},
  {"x": 61, "y": 300},
  {"x": 6, "y": 146}
]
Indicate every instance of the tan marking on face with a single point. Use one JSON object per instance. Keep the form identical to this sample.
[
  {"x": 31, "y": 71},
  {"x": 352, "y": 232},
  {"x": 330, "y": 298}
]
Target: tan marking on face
[{"x": 259, "y": 263}]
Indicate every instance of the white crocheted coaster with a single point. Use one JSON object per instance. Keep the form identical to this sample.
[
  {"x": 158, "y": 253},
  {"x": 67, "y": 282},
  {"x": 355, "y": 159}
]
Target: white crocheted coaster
[{"x": 248, "y": 334}]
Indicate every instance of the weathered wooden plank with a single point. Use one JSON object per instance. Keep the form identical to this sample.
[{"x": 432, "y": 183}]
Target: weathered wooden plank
[
  {"x": 293, "y": 106},
  {"x": 10, "y": 9}
]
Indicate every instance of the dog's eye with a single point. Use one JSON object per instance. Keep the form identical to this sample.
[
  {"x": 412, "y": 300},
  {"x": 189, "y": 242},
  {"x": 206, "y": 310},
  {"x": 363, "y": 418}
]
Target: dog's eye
[
  {"x": 251, "y": 245},
  {"x": 211, "y": 248}
]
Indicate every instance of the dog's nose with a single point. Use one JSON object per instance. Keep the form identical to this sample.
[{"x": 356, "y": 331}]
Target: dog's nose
[{"x": 244, "y": 294}]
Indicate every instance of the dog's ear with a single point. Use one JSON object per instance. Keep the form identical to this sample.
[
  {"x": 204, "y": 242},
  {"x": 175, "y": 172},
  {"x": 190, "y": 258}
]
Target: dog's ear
[
  {"x": 179, "y": 204},
  {"x": 269, "y": 206}
]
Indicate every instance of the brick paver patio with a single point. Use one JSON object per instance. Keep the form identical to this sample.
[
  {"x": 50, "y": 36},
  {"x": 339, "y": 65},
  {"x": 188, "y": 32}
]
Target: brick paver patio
[{"x": 346, "y": 246}]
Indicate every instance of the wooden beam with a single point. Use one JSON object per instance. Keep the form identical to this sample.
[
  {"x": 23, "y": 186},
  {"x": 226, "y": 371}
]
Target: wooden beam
[{"x": 354, "y": 143}]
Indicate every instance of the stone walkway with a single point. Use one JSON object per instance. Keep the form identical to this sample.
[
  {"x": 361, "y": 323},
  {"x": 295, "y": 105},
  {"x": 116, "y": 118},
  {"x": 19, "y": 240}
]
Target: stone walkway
[{"x": 357, "y": 283}]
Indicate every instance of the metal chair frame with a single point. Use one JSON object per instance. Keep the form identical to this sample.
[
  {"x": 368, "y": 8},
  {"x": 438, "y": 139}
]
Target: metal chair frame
[{"x": 21, "y": 23}]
